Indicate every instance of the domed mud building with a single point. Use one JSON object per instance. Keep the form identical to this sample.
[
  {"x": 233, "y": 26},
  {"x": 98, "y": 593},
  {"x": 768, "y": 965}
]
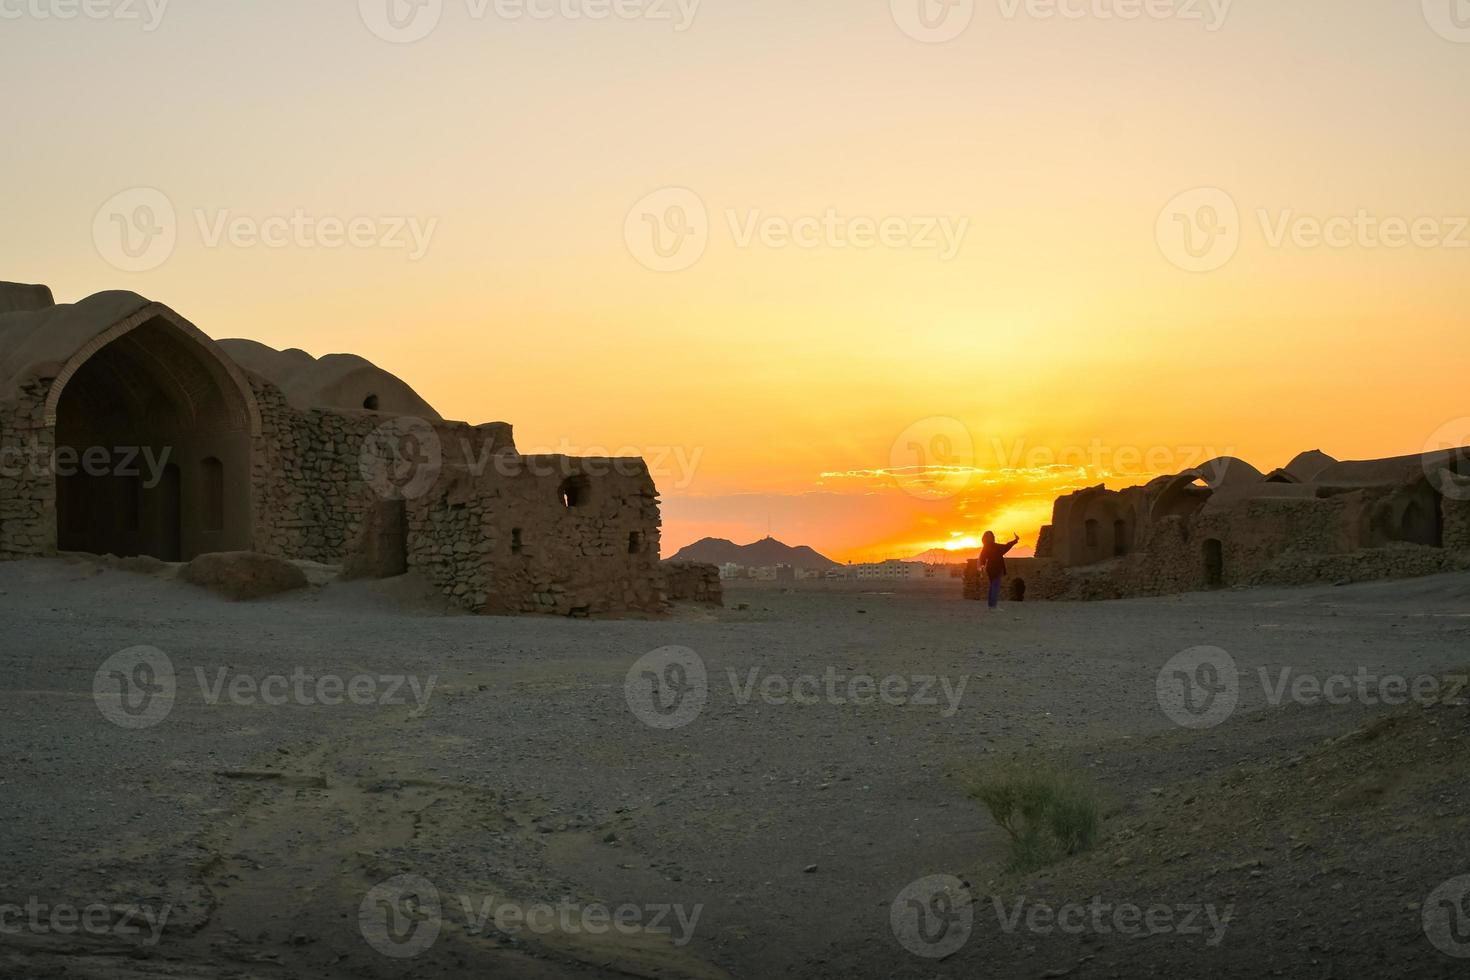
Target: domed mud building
[
  {"x": 125, "y": 430},
  {"x": 1226, "y": 523}
]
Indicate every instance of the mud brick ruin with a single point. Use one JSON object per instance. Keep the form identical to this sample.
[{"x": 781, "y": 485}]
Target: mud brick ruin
[
  {"x": 1224, "y": 524},
  {"x": 125, "y": 430}
]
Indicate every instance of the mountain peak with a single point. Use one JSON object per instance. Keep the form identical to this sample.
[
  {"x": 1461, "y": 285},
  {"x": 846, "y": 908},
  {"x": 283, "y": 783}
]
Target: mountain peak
[{"x": 766, "y": 551}]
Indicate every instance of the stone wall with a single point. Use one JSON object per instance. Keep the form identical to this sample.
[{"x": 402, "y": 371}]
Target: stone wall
[
  {"x": 1275, "y": 542},
  {"x": 541, "y": 534},
  {"x": 27, "y": 475},
  {"x": 693, "y": 581},
  {"x": 307, "y": 487}
]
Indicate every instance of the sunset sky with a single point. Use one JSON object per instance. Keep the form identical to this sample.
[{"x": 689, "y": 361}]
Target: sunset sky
[{"x": 797, "y": 254}]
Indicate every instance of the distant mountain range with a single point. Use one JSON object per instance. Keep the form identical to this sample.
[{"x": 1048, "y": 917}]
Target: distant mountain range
[{"x": 767, "y": 551}]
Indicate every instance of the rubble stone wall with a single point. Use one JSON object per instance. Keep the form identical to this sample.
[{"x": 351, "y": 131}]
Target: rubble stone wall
[
  {"x": 562, "y": 535},
  {"x": 27, "y": 478},
  {"x": 693, "y": 581}
]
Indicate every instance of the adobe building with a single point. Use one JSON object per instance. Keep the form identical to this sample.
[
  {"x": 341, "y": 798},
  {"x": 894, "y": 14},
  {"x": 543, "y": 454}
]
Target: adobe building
[
  {"x": 125, "y": 430},
  {"x": 1228, "y": 524}
]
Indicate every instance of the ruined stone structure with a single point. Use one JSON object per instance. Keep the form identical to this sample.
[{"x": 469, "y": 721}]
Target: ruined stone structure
[
  {"x": 1228, "y": 524},
  {"x": 125, "y": 430},
  {"x": 694, "y": 581}
]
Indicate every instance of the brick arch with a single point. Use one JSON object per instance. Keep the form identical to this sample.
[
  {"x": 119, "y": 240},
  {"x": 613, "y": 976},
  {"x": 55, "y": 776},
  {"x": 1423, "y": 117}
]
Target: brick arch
[
  {"x": 245, "y": 412},
  {"x": 156, "y": 434}
]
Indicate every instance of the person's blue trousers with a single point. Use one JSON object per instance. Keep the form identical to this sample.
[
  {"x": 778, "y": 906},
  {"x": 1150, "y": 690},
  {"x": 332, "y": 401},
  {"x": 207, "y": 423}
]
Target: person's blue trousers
[{"x": 994, "y": 592}]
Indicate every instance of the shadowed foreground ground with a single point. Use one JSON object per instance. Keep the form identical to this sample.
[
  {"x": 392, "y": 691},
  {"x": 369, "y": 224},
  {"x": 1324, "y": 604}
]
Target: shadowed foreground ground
[{"x": 761, "y": 838}]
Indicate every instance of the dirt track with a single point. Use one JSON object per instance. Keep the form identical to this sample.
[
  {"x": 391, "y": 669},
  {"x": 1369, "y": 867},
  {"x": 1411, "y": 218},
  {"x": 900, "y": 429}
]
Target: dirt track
[{"x": 762, "y": 838}]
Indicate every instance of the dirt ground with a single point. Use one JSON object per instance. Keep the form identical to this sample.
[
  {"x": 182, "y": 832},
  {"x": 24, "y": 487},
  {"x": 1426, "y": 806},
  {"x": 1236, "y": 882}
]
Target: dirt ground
[{"x": 773, "y": 790}]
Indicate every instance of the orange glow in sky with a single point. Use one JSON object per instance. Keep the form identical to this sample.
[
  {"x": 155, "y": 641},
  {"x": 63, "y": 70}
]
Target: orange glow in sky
[{"x": 863, "y": 291}]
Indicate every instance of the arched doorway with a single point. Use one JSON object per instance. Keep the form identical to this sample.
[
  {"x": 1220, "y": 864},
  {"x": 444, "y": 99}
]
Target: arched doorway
[{"x": 153, "y": 443}]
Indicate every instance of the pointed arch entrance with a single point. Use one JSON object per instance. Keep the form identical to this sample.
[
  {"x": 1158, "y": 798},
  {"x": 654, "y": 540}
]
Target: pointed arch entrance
[{"x": 154, "y": 430}]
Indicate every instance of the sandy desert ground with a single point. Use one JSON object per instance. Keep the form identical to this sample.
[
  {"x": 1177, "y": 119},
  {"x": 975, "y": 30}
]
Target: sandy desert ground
[{"x": 492, "y": 798}]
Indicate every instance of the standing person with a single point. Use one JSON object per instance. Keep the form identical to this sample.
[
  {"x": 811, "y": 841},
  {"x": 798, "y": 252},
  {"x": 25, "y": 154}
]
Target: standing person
[{"x": 993, "y": 560}]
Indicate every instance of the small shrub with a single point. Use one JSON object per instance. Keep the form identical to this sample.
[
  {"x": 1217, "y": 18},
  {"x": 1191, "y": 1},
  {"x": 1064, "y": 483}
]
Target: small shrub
[{"x": 1048, "y": 816}]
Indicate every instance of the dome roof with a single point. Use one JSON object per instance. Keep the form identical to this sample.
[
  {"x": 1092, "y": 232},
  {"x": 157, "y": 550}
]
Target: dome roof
[{"x": 342, "y": 382}]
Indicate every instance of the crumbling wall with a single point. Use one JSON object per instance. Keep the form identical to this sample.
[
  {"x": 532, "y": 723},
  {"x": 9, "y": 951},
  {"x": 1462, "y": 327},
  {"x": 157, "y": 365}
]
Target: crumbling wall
[
  {"x": 542, "y": 534},
  {"x": 693, "y": 581},
  {"x": 27, "y": 475},
  {"x": 1286, "y": 541},
  {"x": 315, "y": 485},
  {"x": 309, "y": 495}
]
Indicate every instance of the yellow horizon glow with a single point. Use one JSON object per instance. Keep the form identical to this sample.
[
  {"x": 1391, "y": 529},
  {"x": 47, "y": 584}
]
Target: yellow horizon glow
[{"x": 777, "y": 387}]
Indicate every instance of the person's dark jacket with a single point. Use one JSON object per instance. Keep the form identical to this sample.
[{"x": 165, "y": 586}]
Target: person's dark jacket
[{"x": 993, "y": 558}]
